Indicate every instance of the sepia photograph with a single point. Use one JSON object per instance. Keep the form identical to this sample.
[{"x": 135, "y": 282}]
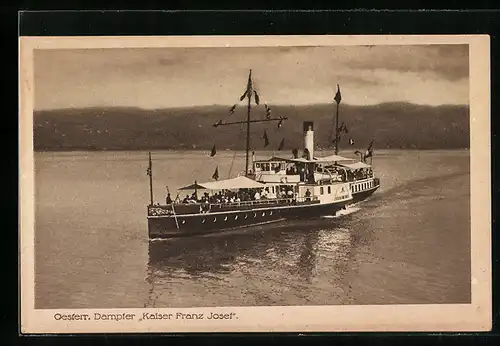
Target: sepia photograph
[{"x": 255, "y": 183}]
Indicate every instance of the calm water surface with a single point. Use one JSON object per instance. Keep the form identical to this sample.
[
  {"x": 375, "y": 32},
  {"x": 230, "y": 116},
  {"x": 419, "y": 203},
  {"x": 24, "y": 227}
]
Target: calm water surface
[{"x": 408, "y": 244}]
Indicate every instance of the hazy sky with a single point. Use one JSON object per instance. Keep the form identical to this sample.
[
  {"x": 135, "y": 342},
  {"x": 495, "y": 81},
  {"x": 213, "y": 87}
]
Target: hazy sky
[{"x": 177, "y": 77}]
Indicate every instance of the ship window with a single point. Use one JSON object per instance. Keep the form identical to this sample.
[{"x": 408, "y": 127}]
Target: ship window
[
  {"x": 263, "y": 214},
  {"x": 183, "y": 222},
  {"x": 329, "y": 189},
  {"x": 215, "y": 219},
  {"x": 321, "y": 190},
  {"x": 254, "y": 215},
  {"x": 236, "y": 217},
  {"x": 257, "y": 165},
  {"x": 225, "y": 219},
  {"x": 203, "y": 221},
  {"x": 270, "y": 213},
  {"x": 246, "y": 216}
]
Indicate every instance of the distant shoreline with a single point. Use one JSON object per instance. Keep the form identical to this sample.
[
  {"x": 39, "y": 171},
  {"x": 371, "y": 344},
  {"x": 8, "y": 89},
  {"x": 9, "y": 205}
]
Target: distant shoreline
[{"x": 232, "y": 151}]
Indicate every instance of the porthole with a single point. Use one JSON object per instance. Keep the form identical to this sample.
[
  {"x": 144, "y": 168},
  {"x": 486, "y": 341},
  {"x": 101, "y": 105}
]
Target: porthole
[
  {"x": 215, "y": 219},
  {"x": 263, "y": 214},
  {"x": 246, "y": 216},
  {"x": 183, "y": 222},
  {"x": 203, "y": 221},
  {"x": 270, "y": 213},
  {"x": 225, "y": 219},
  {"x": 254, "y": 215},
  {"x": 236, "y": 217}
]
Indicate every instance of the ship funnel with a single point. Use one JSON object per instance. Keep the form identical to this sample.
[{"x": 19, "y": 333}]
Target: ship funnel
[{"x": 309, "y": 139}]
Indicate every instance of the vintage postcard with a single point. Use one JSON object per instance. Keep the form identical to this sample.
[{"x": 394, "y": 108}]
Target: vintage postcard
[{"x": 255, "y": 184}]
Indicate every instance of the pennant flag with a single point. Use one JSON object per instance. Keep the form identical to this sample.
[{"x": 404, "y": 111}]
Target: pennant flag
[
  {"x": 150, "y": 166},
  {"x": 266, "y": 139},
  {"x": 282, "y": 144},
  {"x": 351, "y": 141},
  {"x": 249, "y": 90},
  {"x": 280, "y": 122},
  {"x": 268, "y": 111},
  {"x": 231, "y": 110},
  {"x": 343, "y": 128},
  {"x": 369, "y": 151},
  {"x": 214, "y": 151},
  {"x": 257, "y": 99},
  {"x": 295, "y": 153},
  {"x": 216, "y": 174},
  {"x": 338, "y": 97},
  {"x": 217, "y": 123}
]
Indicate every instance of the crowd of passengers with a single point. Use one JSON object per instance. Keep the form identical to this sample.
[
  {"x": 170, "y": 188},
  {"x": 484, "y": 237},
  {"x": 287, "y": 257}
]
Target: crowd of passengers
[
  {"x": 242, "y": 195},
  {"x": 284, "y": 192},
  {"x": 343, "y": 175}
]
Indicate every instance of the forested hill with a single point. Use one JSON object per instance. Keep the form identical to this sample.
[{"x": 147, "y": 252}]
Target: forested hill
[{"x": 391, "y": 125}]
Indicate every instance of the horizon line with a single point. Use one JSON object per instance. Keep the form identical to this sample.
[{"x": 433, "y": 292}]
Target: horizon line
[{"x": 262, "y": 104}]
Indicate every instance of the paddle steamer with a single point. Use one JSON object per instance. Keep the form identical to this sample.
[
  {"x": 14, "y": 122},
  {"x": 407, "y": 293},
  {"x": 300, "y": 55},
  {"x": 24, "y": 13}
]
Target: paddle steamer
[{"x": 270, "y": 190}]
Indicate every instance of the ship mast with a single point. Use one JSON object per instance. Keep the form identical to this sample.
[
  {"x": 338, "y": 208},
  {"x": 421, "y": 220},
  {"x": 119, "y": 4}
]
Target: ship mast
[
  {"x": 337, "y": 99},
  {"x": 249, "y": 107},
  {"x": 337, "y": 131},
  {"x": 248, "y": 94}
]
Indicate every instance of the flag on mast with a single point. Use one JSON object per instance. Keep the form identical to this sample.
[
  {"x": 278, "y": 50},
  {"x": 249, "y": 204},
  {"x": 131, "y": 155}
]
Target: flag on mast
[
  {"x": 249, "y": 90},
  {"x": 266, "y": 139},
  {"x": 231, "y": 110},
  {"x": 280, "y": 122},
  {"x": 369, "y": 151},
  {"x": 257, "y": 99},
  {"x": 282, "y": 145},
  {"x": 338, "y": 96},
  {"x": 216, "y": 174},
  {"x": 214, "y": 151},
  {"x": 268, "y": 111},
  {"x": 343, "y": 128}
]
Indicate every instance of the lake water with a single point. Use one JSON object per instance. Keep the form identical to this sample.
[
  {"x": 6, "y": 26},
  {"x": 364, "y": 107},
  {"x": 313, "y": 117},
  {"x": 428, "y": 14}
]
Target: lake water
[{"x": 408, "y": 244}]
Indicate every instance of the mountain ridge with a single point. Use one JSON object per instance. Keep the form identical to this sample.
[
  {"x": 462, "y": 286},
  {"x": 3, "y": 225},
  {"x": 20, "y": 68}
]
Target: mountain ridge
[{"x": 392, "y": 125}]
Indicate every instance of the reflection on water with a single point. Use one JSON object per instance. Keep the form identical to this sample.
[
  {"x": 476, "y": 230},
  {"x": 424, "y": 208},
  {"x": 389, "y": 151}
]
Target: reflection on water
[
  {"x": 292, "y": 249},
  {"x": 408, "y": 244}
]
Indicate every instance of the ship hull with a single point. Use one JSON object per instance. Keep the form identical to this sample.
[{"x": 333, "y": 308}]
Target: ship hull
[
  {"x": 194, "y": 224},
  {"x": 169, "y": 226},
  {"x": 362, "y": 195}
]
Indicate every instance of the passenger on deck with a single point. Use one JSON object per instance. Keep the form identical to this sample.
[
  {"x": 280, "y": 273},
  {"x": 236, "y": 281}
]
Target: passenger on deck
[
  {"x": 308, "y": 195},
  {"x": 168, "y": 200},
  {"x": 257, "y": 195},
  {"x": 265, "y": 193},
  {"x": 186, "y": 199}
]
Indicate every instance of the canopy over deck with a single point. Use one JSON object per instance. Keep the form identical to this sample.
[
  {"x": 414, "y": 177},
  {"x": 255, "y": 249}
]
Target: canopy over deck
[
  {"x": 240, "y": 182},
  {"x": 356, "y": 165},
  {"x": 326, "y": 159},
  {"x": 331, "y": 158}
]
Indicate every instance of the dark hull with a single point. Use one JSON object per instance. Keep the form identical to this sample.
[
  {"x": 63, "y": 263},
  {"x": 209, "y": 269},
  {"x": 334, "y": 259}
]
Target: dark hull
[
  {"x": 168, "y": 227},
  {"x": 195, "y": 224},
  {"x": 359, "y": 196}
]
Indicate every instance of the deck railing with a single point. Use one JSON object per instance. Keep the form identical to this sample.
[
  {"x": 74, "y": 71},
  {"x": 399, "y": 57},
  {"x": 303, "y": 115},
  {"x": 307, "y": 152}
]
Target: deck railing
[{"x": 197, "y": 208}]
